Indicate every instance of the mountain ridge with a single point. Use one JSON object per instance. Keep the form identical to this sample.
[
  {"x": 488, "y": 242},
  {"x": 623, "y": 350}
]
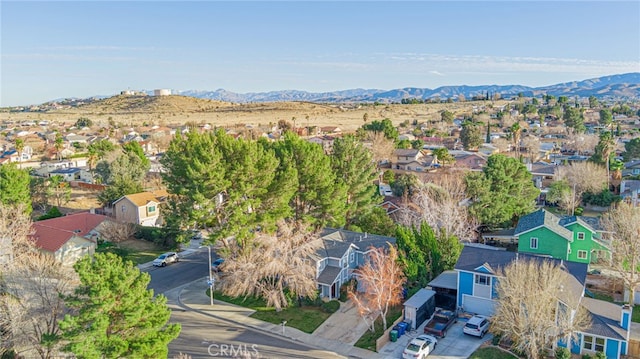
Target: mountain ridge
[{"x": 615, "y": 86}]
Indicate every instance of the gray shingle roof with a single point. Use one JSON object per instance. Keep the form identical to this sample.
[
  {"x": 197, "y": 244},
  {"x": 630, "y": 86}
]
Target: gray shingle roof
[
  {"x": 329, "y": 275},
  {"x": 541, "y": 218},
  {"x": 473, "y": 257},
  {"x": 605, "y": 318},
  {"x": 337, "y": 241}
]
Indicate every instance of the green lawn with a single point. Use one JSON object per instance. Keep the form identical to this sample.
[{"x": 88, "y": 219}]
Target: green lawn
[
  {"x": 368, "y": 339},
  {"x": 136, "y": 255},
  {"x": 636, "y": 314},
  {"x": 306, "y": 318},
  {"x": 491, "y": 353}
]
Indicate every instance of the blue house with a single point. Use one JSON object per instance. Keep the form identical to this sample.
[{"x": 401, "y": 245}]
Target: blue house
[
  {"x": 342, "y": 252},
  {"x": 478, "y": 268}
]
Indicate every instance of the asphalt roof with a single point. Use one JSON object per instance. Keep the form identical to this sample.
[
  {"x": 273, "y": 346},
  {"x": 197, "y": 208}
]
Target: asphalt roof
[
  {"x": 605, "y": 318},
  {"x": 541, "y": 218},
  {"x": 447, "y": 279},
  {"x": 584, "y": 221},
  {"x": 473, "y": 257},
  {"x": 336, "y": 242},
  {"x": 329, "y": 275}
]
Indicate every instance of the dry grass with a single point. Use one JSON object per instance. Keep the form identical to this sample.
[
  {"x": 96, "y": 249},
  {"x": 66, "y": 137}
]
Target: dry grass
[{"x": 167, "y": 110}]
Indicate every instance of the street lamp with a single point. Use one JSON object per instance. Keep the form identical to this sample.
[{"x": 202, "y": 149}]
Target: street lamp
[{"x": 211, "y": 280}]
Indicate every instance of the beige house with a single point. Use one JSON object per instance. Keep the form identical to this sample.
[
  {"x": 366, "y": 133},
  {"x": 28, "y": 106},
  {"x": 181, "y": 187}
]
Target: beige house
[
  {"x": 140, "y": 208},
  {"x": 70, "y": 237}
]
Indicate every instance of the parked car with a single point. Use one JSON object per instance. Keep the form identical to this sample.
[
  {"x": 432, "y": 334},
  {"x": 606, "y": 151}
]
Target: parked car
[
  {"x": 477, "y": 325},
  {"x": 215, "y": 266},
  {"x": 166, "y": 258},
  {"x": 440, "y": 323},
  {"x": 420, "y": 347}
]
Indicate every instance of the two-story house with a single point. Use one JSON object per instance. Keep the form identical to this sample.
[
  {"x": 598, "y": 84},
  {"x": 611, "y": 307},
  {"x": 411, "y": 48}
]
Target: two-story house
[
  {"x": 569, "y": 238},
  {"x": 410, "y": 160},
  {"x": 140, "y": 208},
  {"x": 478, "y": 273},
  {"x": 342, "y": 252}
]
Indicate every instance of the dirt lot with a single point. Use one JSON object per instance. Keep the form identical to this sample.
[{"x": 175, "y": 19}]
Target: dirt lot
[{"x": 181, "y": 110}]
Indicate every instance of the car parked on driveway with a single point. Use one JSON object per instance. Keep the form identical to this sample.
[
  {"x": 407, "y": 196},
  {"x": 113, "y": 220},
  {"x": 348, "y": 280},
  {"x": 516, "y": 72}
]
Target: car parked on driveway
[
  {"x": 166, "y": 258},
  {"x": 420, "y": 347},
  {"x": 477, "y": 325}
]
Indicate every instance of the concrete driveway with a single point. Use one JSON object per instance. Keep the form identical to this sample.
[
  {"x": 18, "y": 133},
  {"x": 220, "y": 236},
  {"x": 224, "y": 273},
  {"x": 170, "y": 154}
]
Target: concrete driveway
[
  {"x": 456, "y": 345},
  {"x": 345, "y": 325}
]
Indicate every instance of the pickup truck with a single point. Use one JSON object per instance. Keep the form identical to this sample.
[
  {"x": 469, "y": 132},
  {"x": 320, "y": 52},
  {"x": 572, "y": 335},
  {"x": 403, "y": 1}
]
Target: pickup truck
[{"x": 440, "y": 323}]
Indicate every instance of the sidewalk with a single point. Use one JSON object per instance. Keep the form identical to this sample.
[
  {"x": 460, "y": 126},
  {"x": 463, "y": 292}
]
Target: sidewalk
[{"x": 193, "y": 296}]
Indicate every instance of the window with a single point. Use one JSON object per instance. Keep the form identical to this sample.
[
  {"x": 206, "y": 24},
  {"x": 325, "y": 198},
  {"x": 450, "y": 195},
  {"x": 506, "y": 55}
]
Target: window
[
  {"x": 582, "y": 254},
  {"x": 581, "y": 236},
  {"x": 482, "y": 279},
  {"x": 352, "y": 257},
  {"x": 593, "y": 343},
  {"x": 151, "y": 209},
  {"x": 533, "y": 243}
]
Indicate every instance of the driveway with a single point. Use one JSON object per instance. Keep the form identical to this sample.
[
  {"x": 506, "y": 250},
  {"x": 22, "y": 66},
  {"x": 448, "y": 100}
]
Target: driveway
[
  {"x": 456, "y": 345},
  {"x": 345, "y": 325}
]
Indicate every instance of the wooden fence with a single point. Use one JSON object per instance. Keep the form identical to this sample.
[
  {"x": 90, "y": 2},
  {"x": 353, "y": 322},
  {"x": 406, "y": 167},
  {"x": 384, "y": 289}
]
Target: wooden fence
[
  {"x": 89, "y": 186},
  {"x": 634, "y": 349}
]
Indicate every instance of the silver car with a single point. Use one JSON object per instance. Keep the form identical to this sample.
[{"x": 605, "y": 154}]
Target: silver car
[{"x": 166, "y": 258}]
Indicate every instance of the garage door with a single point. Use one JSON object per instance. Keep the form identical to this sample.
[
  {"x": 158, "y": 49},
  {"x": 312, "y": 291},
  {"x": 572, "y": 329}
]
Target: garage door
[{"x": 478, "y": 305}]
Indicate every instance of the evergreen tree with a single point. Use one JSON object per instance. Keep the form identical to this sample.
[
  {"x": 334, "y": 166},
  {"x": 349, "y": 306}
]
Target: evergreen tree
[
  {"x": 502, "y": 192},
  {"x": 604, "y": 149},
  {"x": 353, "y": 164},
  {"x": 114, "y": 315},
  {"x": 125, "y": 175},
  {"x": 15, "y": 186},
  {"x": 470, "y": 135},
  {"x": 573, "y": 118},
  {"x": 319, "y": 198}
]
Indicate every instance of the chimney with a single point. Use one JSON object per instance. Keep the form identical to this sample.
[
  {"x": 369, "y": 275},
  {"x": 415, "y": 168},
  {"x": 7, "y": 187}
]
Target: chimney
[
  {"x": 625, "y": 318},
  {"x": 365, "y": 235}
]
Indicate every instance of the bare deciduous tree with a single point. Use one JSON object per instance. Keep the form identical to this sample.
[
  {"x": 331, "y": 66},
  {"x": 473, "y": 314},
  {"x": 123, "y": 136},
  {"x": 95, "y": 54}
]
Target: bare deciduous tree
[
  {"x": 381, "y": 278},
  {"x": 117, "y": 232},
  {"x": 623, "y": 223},
  {"x": 271, "y": 263},
  {"x": 502, "y": 144},
  {"x": 441, "y": 205},
  {"x": 531, "y": 144},
  {"x": 582, "y": 177},
  {"x": 32, "y": 285},
  {"x": 381, "y": 146},
  {"x": 581, "y": 143},
  {"x": 535, "y": 322}
]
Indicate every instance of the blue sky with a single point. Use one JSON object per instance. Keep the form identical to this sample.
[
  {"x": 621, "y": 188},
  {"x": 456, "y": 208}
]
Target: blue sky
[{"x": 55, "y": 50}]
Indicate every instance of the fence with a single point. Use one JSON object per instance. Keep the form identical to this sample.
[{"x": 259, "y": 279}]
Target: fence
[
  {"x": 634, "y": 349},
  {"x": 89, "y": 186},
  {"x": 384, "y": 339}
]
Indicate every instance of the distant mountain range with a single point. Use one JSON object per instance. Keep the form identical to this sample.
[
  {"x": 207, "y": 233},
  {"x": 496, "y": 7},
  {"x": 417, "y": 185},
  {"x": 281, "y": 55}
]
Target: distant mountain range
[{"x": 623, "y": 86}]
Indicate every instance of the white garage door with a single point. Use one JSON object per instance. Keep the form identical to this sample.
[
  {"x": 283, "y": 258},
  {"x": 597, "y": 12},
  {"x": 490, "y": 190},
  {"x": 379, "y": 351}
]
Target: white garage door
[{"x": 478, "y": 305}]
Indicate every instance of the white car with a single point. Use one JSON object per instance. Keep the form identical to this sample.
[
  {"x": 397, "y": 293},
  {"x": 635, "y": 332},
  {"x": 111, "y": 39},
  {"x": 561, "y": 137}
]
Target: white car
[
  {"x": 420, "y": 347},
  {"x": 477, "y": 325},
  {"x": 166, "y": 258}
]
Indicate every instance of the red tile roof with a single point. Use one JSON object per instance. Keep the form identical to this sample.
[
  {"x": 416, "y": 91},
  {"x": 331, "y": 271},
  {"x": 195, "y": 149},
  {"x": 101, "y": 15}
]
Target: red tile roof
[{"x": 51, "y": 234}]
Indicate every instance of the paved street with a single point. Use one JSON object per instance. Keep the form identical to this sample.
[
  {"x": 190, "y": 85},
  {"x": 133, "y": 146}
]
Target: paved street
[{"x": 189, "y": 268}]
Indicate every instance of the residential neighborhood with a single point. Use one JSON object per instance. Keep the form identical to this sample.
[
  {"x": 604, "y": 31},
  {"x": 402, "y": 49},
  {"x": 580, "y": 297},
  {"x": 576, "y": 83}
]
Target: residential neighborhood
[{"x": 352, "y": 243}]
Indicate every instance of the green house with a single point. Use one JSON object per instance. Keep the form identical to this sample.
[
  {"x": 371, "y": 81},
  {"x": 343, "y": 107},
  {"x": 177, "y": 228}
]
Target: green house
[{"x": 570, "y": 238}]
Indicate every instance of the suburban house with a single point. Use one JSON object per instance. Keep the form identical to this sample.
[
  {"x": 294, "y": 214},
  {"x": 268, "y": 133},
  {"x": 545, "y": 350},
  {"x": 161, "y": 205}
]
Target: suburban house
[
  {"x": 631, "y": 168},
  {"x": 70, "y": 237},
  {"x": 478, "y": 274},
  {"x": 571, "y": 238},
  {"x": 140, "y": 208},
  {"x": 410, "y": 160},
  {"x": 72, "y": 174},
  {"x": 343, "y": 251}
]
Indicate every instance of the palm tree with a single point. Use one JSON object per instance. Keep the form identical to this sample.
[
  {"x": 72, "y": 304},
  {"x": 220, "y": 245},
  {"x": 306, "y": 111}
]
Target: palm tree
[{"x": 516, "y": 131}]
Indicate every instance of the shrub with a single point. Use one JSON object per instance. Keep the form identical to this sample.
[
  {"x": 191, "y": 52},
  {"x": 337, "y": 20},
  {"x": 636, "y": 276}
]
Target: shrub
[
  {"x": 496, "y": 339},
  {"x": 603, "y": 199},
  {"x": 563, "y": 353},
  {"x": 601, "y": 355},
  {"x": 586, "y": 356},
  {"x": 54, "y": 212},
  {"x": 578, "y": 211},
  {"x": 330, "y": 306},
  {"x": 344, "y": 289}
]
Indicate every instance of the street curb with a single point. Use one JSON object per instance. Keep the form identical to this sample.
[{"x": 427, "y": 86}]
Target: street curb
[{"x": 245, "y": 325}]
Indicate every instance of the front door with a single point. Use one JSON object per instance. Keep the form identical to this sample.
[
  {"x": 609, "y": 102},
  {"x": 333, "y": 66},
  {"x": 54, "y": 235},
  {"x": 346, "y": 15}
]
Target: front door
[{"x": 333, "y": 289}]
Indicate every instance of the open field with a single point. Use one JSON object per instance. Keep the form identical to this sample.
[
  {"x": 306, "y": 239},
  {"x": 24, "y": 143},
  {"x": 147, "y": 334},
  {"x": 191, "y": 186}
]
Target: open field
[{"x": 172, "y": 110}]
